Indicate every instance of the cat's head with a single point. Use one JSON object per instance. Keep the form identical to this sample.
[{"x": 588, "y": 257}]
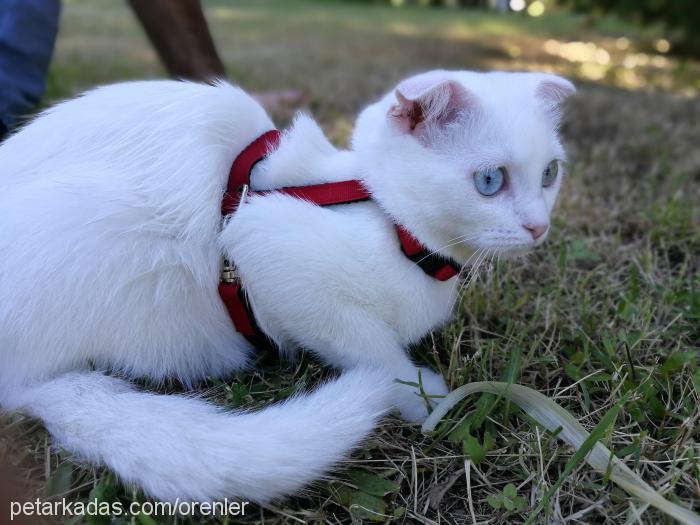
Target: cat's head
[{"x": 467, "y": 160}]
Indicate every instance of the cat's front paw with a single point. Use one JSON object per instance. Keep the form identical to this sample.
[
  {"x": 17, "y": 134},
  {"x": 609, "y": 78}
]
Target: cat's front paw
[{"x": 412, "y": 404}]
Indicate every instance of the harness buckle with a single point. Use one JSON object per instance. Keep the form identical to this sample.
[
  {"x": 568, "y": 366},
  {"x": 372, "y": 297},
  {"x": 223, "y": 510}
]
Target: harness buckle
[{"x": 229, "y": 274}]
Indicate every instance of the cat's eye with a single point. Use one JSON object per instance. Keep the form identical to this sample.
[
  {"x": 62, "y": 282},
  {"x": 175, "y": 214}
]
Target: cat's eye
[
  {"x": 549, "y": 175},
  {"x": 490, "y": 180}
]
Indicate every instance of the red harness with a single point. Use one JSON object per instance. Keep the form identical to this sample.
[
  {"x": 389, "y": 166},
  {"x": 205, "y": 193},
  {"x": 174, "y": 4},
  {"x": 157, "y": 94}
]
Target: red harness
[{"x": 326, "y": 194}]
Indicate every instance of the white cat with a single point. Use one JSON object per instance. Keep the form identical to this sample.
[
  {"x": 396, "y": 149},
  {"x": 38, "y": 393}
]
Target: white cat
[{"x": 111, "y": 243}]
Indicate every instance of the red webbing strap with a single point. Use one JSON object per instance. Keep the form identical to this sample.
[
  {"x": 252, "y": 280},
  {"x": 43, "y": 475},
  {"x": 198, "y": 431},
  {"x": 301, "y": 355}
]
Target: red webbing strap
[
  {"x": 326, "y": 194},
  {"x": 409, "y": 244},
  {"x": 242, "y": 166},
  {"x": 236, "y": 306},
  {"x": 232, "y": 294},
  {"x": 447, "y": 272},
  {"x": 433, "y": 264}
]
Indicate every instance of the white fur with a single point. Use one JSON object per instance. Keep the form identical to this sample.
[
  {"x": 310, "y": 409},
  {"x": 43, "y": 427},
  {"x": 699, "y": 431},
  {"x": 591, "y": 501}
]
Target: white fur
[{"x": 111, "y": 244}]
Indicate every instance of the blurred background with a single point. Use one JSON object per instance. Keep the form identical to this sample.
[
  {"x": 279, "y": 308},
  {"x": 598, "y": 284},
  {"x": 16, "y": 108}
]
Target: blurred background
[
  {"x": 344, "y": 53},
  {"x": 611, "y": 302}
]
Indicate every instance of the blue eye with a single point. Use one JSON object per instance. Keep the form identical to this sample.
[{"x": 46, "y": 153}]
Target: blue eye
[
  {"x": 549, "y": 175},
  {"x": 490, "y": 180}
]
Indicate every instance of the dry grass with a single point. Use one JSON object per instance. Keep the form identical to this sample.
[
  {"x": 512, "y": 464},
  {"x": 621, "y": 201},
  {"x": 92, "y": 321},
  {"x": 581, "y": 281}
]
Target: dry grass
[{"x": 611, "y": 304}]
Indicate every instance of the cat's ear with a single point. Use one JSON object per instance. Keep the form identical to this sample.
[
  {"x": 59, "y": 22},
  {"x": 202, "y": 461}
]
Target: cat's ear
[
  {"x": 551, "y": 92},
  {"x": 429, "y": 98}
]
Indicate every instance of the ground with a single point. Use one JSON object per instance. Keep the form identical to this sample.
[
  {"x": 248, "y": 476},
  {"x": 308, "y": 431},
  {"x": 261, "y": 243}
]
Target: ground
[{"x": 609, "y": 305}]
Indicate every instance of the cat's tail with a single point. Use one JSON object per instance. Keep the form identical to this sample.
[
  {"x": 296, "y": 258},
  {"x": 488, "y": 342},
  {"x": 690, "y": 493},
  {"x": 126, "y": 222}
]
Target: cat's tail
[{"x": 175, "y": 446}]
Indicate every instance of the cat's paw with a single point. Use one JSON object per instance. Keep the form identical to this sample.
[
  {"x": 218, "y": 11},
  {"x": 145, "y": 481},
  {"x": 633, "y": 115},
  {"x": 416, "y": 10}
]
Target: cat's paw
[{"x": 411, "y": 404}]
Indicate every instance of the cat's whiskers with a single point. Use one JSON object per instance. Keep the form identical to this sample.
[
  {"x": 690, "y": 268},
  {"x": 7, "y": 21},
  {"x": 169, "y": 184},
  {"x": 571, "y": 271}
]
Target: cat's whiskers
[
  {"x": 472, "y": 271},
  {"x": 451, "y": 242},
  {"x": 480, "y": 254},
  {"x": 486, "y": 256},
  {"x": 473, "y": 274},
  {"x": 466, "y": 264}
]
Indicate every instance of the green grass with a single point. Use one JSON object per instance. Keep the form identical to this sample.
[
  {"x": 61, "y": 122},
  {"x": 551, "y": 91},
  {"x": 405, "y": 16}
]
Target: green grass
[{"x": 608, "y": 307}]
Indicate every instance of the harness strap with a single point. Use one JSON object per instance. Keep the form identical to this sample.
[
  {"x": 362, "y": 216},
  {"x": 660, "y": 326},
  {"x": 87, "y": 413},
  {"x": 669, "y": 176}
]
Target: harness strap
[
  {"x": 434, "y": 264},
  {"x": 325, "y": 194},
  {"x": 239, "y": 175}
]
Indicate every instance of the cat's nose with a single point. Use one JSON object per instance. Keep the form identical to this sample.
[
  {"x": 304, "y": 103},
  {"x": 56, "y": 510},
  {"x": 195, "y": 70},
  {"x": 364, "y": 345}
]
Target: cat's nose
[{"x": 536, "y": 230}]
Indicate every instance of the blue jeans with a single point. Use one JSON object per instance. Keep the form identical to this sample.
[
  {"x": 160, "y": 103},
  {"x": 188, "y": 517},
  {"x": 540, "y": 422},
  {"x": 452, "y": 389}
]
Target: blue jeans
[{"x": 27, "y": 35}]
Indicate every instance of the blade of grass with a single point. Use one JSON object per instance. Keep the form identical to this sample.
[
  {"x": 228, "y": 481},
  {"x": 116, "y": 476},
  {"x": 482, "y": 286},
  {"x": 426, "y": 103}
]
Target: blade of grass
[
  {"x": 551, "y": 416},
  {"x": 596, "y": 434}
]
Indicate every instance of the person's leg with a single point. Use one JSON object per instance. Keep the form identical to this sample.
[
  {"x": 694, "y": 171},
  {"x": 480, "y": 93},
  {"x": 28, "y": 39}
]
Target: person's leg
[
  {"x": 27, "y": 36},
  {"x": 179, "y": 32}
]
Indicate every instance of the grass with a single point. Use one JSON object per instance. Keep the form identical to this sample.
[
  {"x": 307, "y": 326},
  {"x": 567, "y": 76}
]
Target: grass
[{"x": 608, "y": 308}]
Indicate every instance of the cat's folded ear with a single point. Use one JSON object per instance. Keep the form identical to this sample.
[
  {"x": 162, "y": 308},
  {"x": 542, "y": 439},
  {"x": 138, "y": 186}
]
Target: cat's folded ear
[
  {"x": 551, "y": 92},
  {"x": 432, "y": 98}
]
